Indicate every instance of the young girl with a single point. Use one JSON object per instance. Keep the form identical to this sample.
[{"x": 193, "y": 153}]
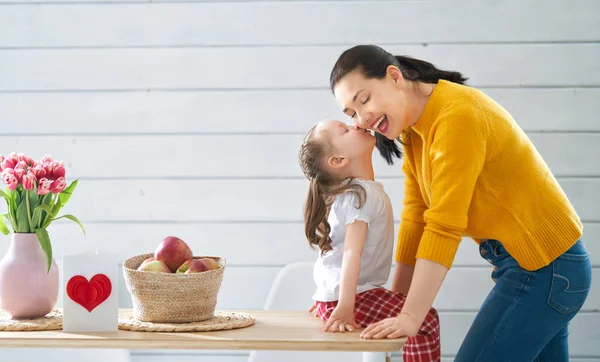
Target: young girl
[{"x": 349, "y": 217}]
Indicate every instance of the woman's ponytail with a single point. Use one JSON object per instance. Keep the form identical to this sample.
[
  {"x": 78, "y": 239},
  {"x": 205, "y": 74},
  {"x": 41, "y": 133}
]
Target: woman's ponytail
[{"x": 422, "y": 71}]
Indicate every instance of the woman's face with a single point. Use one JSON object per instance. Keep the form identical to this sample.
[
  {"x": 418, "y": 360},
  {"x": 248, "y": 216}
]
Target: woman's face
[{"x": 376, "y": 104}]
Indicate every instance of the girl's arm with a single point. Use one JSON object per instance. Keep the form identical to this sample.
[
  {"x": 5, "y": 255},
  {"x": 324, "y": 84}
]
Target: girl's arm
[
  {"x": 342, "y": 318},
  {"x": 356, "y": 233}
]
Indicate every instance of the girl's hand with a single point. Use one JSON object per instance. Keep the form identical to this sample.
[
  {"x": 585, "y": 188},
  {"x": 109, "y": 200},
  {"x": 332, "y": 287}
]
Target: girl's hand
[
  {"x": 395, "y": 327},
  {"x": 312, "y": 308},
  {"x": 341, "y": 320}
]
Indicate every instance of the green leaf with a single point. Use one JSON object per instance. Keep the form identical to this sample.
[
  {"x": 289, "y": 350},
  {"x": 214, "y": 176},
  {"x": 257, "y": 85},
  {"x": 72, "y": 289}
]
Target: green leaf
[
  {"x": 45, "y": 207},
  {"x": 46, "y": 221},
  {"x": 56, "y": 208},
  {"x": 22, "y": 220},
  {"x": 46, "y": 200},
  {"x": 44, "y": 240},
  {"x": 17, "y": 199},
  {"x": 3, "y": 228},
  {"x": 64, "y": 196},
  {"x": 29, "y": 213},
  {"x": 13, "y": 209},
  {"x": 6, "y": 197},
  {"x": 37, "y": 218},
  {"x": 33, "y": 199},
  {"x": 72, "y": 218}
]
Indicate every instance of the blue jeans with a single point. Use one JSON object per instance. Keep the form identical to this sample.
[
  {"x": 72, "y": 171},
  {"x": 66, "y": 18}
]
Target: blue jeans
[{"x": 526, "y": 315}]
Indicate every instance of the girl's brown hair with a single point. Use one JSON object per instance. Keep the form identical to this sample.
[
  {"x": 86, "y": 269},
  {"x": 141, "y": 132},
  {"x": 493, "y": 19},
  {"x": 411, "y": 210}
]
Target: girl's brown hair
[{"x": 324, "y": 187}]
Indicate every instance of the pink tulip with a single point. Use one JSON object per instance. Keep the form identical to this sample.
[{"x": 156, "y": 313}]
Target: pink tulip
[
  {"x": 7, "y": 163},
  {"x": 20, "y": 169},
  {"x": 14, "y": 157},
  {"x": 28, "y": 180},
  {"x": 23, "y": 157},
  {"x": 47, "y": 159},
  {"x": 10, "y": 179},
  {"x": 58, "y": 169},
  {"x": 39, "y": 171},
  {"x": 44, "y": 186},
  {"x": 58, "y": 185},
  {"x": 48, "y": 168}
]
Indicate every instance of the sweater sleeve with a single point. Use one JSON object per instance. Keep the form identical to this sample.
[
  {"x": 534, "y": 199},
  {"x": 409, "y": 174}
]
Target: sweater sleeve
[
  {"x": 411, "y": 224},
  {"x": 457, "y": 155}
]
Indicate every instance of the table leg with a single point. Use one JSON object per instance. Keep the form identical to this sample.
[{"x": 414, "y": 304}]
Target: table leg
[{"x": 377, "y": 357}]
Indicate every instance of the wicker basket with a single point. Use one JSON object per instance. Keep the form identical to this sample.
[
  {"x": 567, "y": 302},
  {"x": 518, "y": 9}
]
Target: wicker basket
[{"x": 170, "y": 297}]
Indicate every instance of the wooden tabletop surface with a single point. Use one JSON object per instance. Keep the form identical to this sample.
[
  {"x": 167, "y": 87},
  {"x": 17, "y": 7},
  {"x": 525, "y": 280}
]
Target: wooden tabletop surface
[{"x": 273, "y": 330}]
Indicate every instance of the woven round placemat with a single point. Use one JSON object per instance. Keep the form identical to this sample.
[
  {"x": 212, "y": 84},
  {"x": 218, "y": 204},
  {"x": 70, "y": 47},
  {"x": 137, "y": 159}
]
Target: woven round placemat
[
  {"x": 49, "y": 322},
  {"x": 220, "y": 321}
]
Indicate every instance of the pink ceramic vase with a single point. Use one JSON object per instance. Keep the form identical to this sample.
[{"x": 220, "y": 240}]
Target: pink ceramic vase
[{"x": 27, "y": 290}]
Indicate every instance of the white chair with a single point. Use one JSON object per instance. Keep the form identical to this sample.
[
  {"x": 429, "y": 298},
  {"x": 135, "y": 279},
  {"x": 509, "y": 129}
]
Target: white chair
[
  {"x": 64, "y": 355},
  {"x": 292, "y": 290}
]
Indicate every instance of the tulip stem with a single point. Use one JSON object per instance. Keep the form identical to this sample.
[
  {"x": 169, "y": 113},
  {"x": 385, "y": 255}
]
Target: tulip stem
[
  {"x": 28, "y": 210},
  {"x": 42, "y": 219}
]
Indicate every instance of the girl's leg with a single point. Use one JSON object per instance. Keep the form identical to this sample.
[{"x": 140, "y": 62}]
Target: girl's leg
[
  {"x": 526, "y": 310},
  {"x": 378, "y": 304},
  {"x": 324, "y": 310}
]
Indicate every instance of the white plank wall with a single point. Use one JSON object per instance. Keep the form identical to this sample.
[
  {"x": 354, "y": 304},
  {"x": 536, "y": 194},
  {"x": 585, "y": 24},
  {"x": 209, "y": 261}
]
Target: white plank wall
[{"x": 184, "y": 117}]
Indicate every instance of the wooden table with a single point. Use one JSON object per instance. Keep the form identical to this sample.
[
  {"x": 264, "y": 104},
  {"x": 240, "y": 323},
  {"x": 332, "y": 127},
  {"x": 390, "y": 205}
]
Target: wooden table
[{"x": 273, "y": 330}]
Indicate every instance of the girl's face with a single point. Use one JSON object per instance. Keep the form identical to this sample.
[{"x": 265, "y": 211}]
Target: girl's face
[
  {"x": 348, "y": 143},
  {"x": 376, "y": 104}
]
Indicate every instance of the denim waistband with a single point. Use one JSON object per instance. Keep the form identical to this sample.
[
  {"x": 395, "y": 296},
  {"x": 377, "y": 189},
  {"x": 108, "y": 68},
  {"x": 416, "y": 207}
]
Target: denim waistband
[{"x": 495, "y": 253}]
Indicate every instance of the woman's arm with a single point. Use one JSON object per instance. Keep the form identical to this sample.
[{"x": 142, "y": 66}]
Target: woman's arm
[
  {"x": 411, "y": 228},
  {"x": 402, "y": 278},
  {"x": 427, "y": 280}
]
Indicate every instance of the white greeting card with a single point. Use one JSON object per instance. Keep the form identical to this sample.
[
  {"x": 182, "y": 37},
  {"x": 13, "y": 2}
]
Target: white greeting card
[{"x": 90, "y": 293}]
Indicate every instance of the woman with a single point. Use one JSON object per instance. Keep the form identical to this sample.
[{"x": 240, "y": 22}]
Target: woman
[{"x": 469, "y": 171}]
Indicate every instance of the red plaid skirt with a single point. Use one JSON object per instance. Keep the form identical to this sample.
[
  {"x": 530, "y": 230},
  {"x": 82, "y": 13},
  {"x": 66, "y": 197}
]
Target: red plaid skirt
[{"x": 377, "y": 304}]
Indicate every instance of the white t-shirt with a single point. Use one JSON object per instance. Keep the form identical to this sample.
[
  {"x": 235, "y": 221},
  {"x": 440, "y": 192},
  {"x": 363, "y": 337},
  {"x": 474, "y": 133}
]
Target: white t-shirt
[{"x": 376, "y": 260}]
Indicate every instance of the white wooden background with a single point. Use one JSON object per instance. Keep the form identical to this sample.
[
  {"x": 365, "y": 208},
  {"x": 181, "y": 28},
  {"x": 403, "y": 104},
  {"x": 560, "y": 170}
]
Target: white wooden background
[{"x": 185, "y": 117}]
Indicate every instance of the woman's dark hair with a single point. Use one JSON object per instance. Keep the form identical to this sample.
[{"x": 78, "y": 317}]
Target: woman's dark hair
[{"x": 373, "y": 62}]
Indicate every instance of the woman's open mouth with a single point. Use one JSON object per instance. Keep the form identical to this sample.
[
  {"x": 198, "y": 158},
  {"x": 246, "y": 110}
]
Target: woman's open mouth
[{"x": 381, "y": 124}]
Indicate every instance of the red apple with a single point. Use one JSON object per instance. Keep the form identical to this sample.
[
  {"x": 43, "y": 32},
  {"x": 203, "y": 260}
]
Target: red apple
[
  {"x": 202, "y": 265},
  {"x": 146, "y": 262},
  {"x": 173, "y": 251},
  {"x": 156, "y": 266},
  {"x": 210, "y": 263},
  {"x": 197, "y": 266},
  {"x": 184, "y": 267}
]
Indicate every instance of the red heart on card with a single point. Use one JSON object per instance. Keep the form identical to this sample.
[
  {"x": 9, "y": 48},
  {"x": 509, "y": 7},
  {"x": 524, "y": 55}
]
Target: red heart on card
[{"x": 89, "y": 294}]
